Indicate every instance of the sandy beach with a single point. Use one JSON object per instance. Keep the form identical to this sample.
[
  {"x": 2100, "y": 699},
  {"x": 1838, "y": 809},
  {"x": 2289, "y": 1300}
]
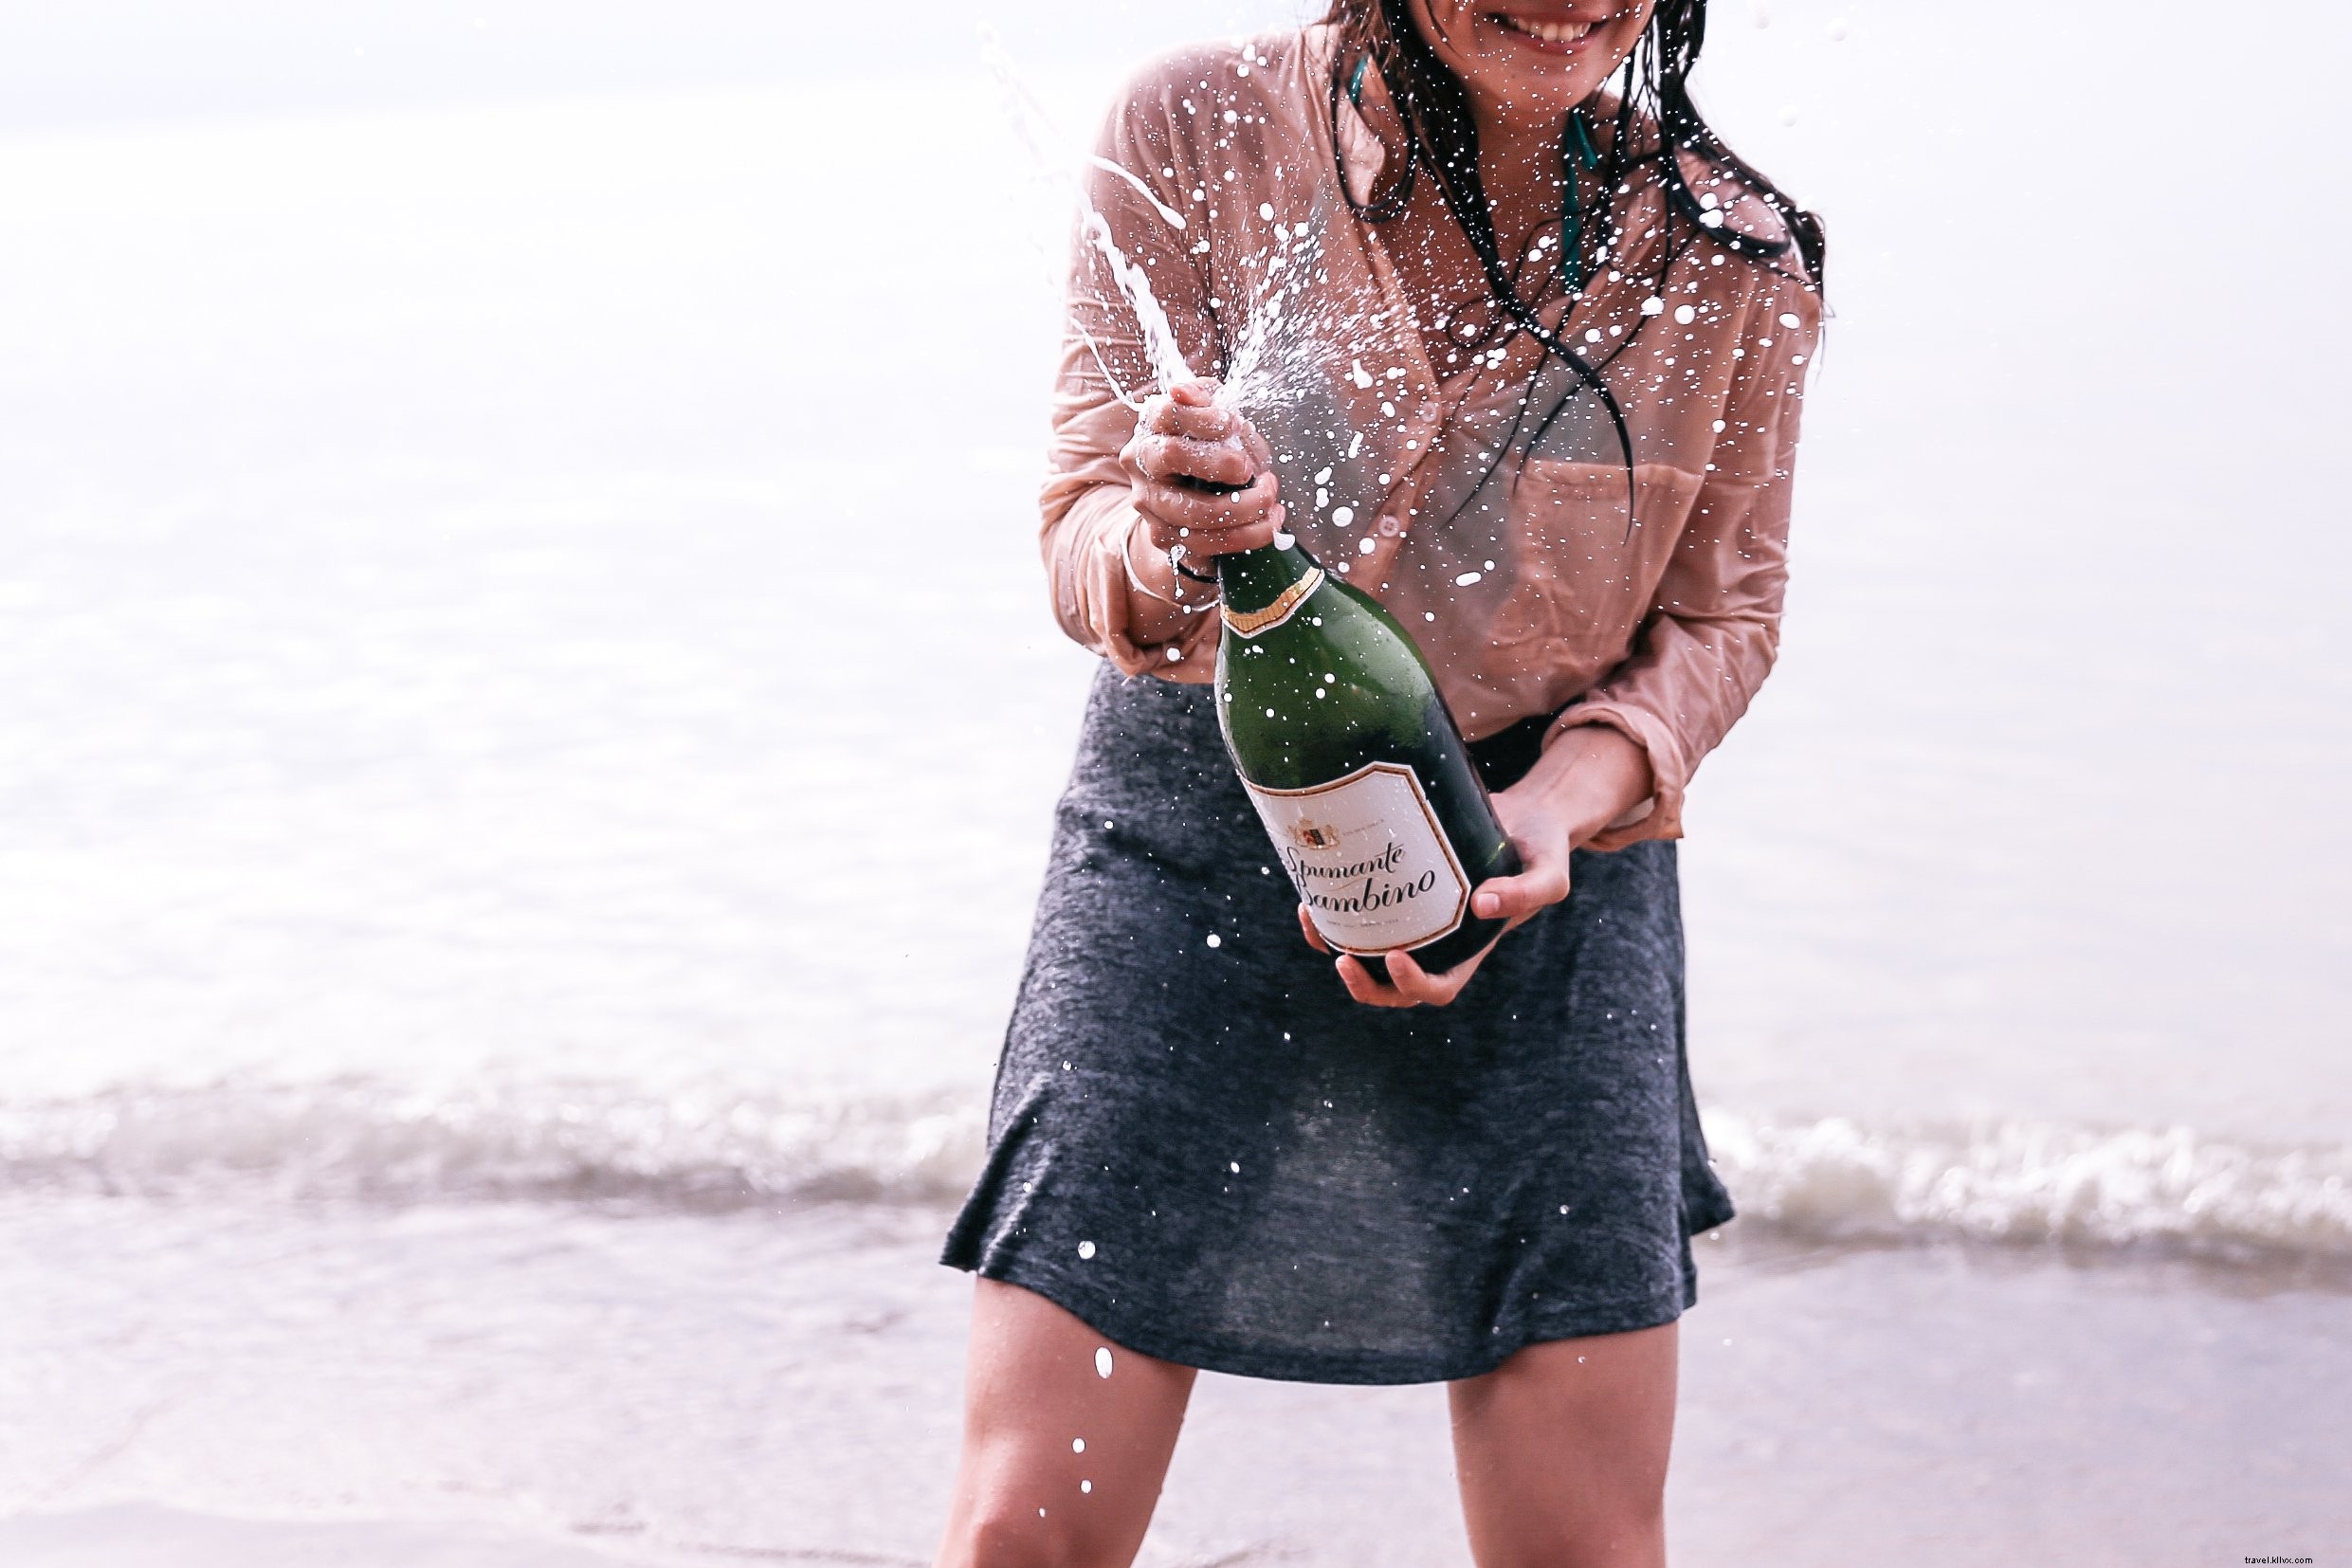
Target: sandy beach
[{"x": 376, "y": 1390}]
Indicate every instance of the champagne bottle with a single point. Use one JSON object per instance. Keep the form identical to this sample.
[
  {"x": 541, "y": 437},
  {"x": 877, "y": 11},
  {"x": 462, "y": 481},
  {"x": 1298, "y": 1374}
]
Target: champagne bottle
[{"x": 1353, "y": 761}]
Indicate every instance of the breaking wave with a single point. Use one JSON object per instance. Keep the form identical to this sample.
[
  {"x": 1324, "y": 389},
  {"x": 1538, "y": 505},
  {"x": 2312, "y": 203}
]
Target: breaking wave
[
  {"x": 370, "y": 1141},
  {"x": 2028, "y": 1181},
  {"x": 1833, "y": 1179}
]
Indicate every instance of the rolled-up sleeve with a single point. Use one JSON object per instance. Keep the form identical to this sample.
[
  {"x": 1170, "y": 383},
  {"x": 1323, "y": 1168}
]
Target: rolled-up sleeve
[
  {"x": 1713, "y": 629},
  {"x": 1086, "y": 514}
]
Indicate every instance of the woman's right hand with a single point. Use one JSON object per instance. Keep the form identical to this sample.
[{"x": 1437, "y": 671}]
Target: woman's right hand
[{"x": 1187, "y": 434}]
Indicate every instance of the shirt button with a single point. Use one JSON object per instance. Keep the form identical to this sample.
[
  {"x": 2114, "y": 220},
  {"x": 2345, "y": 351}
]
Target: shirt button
[{"x": 1390, "y": 527}]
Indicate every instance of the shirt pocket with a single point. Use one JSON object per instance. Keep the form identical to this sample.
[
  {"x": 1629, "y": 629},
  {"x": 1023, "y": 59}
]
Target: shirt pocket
[{"x": 1584, "y": 578}]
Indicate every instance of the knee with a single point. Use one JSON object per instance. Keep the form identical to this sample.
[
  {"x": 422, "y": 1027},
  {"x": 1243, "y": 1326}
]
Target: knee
[
  {"x": 1618, "y": 1534},
  {"x": 1007, "y": 1536}
]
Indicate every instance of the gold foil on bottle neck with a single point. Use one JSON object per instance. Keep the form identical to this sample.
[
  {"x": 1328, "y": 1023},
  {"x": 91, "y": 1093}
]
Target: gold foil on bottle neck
[{"x": 1248, "y": 623}]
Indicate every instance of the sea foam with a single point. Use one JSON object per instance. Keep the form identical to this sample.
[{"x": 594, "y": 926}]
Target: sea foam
[{"x": 1834, "y": 1179}]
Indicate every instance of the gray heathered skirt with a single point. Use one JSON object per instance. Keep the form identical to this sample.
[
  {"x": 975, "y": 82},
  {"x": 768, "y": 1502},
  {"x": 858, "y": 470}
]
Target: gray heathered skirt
[{"x": 1204, "y": 1149}]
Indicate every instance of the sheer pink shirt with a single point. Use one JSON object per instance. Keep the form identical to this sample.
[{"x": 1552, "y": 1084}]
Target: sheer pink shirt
[{"x": 1522, "y": 582}]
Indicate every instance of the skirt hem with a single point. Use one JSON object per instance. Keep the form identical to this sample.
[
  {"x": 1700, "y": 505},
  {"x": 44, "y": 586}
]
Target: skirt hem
[{"x": 1135, "y": 1329}]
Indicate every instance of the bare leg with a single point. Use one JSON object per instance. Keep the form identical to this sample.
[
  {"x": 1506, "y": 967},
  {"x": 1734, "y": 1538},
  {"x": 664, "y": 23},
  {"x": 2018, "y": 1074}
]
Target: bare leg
[
  {"x": 1060, "y": 1465},
  {"x": 1563, "y": 1450}
]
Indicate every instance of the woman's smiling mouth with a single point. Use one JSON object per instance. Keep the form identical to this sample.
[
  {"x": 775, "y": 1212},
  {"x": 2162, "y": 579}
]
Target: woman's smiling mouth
[{"x": 1552, "y": 37}]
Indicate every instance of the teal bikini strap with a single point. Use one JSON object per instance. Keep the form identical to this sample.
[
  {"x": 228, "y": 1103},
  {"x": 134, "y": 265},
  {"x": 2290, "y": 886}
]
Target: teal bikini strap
[{"x": 1576, "y": 152}]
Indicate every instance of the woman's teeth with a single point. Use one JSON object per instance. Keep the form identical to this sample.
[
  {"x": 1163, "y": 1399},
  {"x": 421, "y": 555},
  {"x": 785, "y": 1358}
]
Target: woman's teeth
[{"x": 1551, "y": 32}]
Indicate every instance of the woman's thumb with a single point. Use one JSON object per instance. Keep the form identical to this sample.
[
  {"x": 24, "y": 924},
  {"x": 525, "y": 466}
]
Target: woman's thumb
[{"x": 1509, "y": 898}]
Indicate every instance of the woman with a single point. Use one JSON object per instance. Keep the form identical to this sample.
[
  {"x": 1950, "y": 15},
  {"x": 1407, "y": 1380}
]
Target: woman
[{"x": 1517, "y": 343}]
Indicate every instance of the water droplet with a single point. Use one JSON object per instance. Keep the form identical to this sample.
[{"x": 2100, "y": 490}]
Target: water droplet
[
  {"x": 1789, "y": 322},
  {"x": 1653, "y": 306},
  {"x": 1686, "y": 313},
  {"x": 1088, "y": 1486},
  {"x": 1085, "y": 1249},
  {"x": 1101, "y": 1368},
  {"x": 1234, "y": 1167},
  {"x": 1078, "y": 1445},
  {"x": 1465, "y": 579},
  {"x": 1266, "y": 210},
  {"x": 1343, "y": 516},
  {"x": 1215, "y": 940}
]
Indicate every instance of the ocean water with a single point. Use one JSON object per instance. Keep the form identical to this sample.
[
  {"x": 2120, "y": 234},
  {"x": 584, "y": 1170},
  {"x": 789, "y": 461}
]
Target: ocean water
[{"x": 528, "y": 725}]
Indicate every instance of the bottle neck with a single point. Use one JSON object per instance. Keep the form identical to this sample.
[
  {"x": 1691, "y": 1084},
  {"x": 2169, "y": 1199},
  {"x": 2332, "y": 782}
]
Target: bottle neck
[{"x": 1253, "y": 580}]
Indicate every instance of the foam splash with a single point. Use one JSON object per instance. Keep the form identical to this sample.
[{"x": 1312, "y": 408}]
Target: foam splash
[
  {"x": 1833, "y": 1179},
  {"x": 1160, "y": 339},
  {"x": 1267, "y": 365}
]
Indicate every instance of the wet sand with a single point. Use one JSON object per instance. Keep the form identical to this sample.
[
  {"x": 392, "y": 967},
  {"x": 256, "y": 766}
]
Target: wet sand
[
  {"x": 757, "y": 1388},
  {"x": 144, "y": 1536}
]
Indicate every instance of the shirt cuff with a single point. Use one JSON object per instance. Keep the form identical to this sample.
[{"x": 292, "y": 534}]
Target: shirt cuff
[
  {"x": 1189, "y": 658},
  {"x": 1661, "y": 814}
]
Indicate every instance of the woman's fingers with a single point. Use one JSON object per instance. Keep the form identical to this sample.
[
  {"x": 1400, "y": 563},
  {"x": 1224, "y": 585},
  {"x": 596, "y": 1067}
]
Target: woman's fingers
[
  {"x": 1540, "y": 887},
  {"x": 1185, "y": 435},
  {"x": 1314, "y": 938},
  {"x": 1191, "y": 408},
  {"x": 1186, "y": 430},
  {"x": 1366, "y": 989},
  {"x": 1261, "y": 455},
  {"x": 1409, "y": 984},
  {"x": 1176, "y": 414},
  {"x": 1424, "y": 989},
  {"x": 1209, "y": 524},
  {"x": 1167, "y": 457}
]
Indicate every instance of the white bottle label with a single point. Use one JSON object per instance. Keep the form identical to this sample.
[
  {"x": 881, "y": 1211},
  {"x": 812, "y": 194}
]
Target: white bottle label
[{"x": 1368, "y": 859}]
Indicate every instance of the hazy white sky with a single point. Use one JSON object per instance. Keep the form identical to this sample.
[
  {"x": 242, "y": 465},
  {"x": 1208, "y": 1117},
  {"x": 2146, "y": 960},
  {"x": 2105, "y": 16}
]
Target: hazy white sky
[{"x": 76, "y": 60}]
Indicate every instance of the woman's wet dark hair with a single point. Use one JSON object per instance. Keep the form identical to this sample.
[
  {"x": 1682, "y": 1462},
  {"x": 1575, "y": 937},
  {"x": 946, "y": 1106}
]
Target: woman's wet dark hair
[{"x": 1655, "y": 120}]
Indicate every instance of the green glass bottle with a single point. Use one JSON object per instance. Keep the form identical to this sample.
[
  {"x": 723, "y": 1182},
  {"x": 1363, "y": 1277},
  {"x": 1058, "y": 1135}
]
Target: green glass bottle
[{"x": 1356, "y": 765}]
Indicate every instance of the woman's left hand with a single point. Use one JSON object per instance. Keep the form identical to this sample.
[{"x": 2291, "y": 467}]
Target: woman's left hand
[{"x": 1587, "y": 779}]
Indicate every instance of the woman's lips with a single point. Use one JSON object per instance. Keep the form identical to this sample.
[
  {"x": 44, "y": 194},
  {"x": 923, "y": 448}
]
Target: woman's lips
[{"x": 1549, "y": 37}]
